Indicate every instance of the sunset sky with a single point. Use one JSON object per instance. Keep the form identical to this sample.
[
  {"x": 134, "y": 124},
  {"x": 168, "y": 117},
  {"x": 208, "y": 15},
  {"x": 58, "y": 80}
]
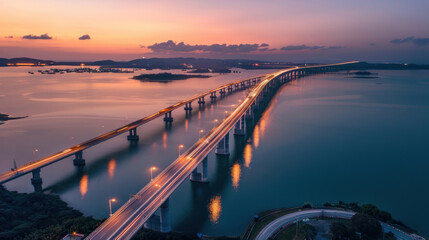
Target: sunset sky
[{"x": 294, "y": 30}]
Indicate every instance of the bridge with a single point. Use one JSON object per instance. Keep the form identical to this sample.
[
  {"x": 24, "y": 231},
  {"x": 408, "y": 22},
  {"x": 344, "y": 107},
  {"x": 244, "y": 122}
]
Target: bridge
[
  {"x": 77, "y": 150},
  {"x": 140, "y": 210}
]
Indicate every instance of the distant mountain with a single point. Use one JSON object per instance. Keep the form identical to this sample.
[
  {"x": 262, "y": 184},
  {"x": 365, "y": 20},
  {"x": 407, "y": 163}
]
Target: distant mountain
[{"x": 24, "y": 62}]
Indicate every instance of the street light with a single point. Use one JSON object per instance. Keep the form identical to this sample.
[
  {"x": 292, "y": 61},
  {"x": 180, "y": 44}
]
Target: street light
[
  {"x": 34, "y": 153},
  {"x": 180, "y": 147},
  {"x": 110, "y": 204},
  {"x": 226, "y": 112},
  {"x": 214, "y": 122},
  {"x": 151, "y": 169},
  {"x": 199, "y": 133}
]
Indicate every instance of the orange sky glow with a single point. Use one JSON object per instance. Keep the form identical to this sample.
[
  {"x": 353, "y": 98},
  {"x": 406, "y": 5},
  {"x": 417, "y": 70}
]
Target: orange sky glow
[{"x": 118, "y": 28}]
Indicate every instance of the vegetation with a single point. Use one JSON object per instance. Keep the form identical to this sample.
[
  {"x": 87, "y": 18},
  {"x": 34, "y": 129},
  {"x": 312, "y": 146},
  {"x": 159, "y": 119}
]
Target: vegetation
[
  {"x": 39, "y": 216},
  {"x": 374, "y": 212},
  {"x": 304, "y": 231}
]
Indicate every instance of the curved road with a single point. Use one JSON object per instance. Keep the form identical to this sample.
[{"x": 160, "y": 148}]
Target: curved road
[{"x": 290, "y": 218}]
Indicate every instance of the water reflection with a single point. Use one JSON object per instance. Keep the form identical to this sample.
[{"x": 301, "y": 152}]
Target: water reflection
[
  {"x": 111, "y": 168},
  {"x": 235, "y": 174},
  {"x": 164, "y": 140},
  {"x": 83, "y": 187},
  {"x": 215, "y": 209},
  {"x": 247, "y": 155},
  {"x": 256, "y": 136}
]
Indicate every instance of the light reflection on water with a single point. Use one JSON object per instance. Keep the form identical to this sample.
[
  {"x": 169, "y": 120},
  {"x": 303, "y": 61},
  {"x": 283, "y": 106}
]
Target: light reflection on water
[
  {"x": 215, "y": 209},
  {"x": 248, "y": 155},
  {"x": 83, "y": 186},
  {"x": 256, "y": 136},
  {"x": 111, "y": 168},
  {"x": 236, "y": 174}
]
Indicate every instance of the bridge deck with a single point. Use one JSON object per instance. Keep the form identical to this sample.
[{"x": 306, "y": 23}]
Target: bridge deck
[
  {"x": 136, "y": 211},
  {"x": 28, "y": 168}
]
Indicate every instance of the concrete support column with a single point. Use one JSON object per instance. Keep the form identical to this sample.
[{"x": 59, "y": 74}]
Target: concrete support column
[
  {"x": 197, "y": 176},
  {"x": 204, "y": 176},
  {"x": 222, "y": 92},
  {"x": 168, "y": 119},
  {"x": 153, "y": 223},
  {"x": 223, "y": 146},
  {"x": 79, "y": 161},
  {"x": 188, "y": 109},
  {"x": 213, "y": 96},
  {"x": 220, "y": 148},
  {"x": 165, "y": 216},
  {"x": 201, "y": 102},
  {"x": 226, "y": 144},
  {"x": 249, "y": 113},
  {"x": 36, "y": 180},
  {"x": 229, "y": 89},
  {"x": 239, "y": 127},
  {"x": 133, "y": 137}
]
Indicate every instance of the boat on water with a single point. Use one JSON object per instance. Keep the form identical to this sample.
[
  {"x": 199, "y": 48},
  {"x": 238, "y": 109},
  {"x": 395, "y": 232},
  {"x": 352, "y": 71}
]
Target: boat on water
[{"x": 30, "y": 72}]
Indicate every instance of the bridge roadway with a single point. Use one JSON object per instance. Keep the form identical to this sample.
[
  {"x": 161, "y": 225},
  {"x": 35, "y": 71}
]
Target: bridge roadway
[
  {"x": 43, "y": 162},
  {"x": 127, "y": 220}
]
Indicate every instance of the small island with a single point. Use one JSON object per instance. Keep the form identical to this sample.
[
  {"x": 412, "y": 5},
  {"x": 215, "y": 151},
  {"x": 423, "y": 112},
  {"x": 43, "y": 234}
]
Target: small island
[
  {"x": 6, "y": 117},
  {"x": 167, "y": 77}
]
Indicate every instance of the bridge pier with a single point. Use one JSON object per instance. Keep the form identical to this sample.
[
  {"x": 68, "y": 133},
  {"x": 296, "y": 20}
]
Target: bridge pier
[
  {"x": 213, "y": 96},
  {"x": 229, "y": 89},
  {"x": 78, "y": 161},
  {"x": 168, "y": 119},
  {"x": 239, "y": 127},
  {"x": 201, "y": 102},
  {"x": 36, "y": 180},
  {"x": 222, "y": 92},
  {"x": 200, "y": 177},
  {"x": 165, "y": 216},
  {"x": 223, "y": 146},
  {"x": 133, "y": 137},
  {"x": 188, "y": 108},
  {"x": 249, "y": 113},
  {"x": 160, "y": 223}
]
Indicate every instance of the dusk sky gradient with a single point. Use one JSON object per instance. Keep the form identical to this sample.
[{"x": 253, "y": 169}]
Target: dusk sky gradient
[{"x": 295, "y": 30}]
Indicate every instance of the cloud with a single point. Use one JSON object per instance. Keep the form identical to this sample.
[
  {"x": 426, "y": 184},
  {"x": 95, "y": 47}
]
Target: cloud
[
  {"x": 305, "y": 47},
  {"x": 43, "y": 37},
  {"x": 416, "y": 41},
  {"x": 84, "y": 37},
  {"x": 8, "y": 37},
  {"x": 372, "y": 44},
  {"x": 170, "y": 45}
]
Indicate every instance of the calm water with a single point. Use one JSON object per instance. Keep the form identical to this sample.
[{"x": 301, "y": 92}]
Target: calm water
[{"x": 323, "y": 138}]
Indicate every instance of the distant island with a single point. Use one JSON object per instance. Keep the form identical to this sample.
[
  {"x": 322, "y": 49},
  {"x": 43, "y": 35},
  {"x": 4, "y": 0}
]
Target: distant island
[
  {"x": 166, "y": 77},
  {"x": 363, "y": 74},
  {"x": 6, "y": 117}
]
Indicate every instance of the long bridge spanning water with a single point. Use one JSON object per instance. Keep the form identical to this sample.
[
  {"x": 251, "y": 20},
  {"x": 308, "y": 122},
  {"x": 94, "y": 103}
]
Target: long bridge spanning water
[{"x": 140, "y": 209}]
